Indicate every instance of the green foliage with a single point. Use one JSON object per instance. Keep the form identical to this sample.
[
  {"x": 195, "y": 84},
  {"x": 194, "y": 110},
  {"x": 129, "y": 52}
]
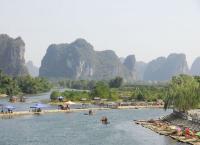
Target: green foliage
[
  {"x": 101, "y": 90},
  {"x": 25, "y": 84},
  {"x": 116, "y": 82},
  {"x": 8, "y": 85},
  {"x": 32, "y": 85},
  {"x": 140, "y": 97},
  {"x": 75, "y": 95},
  {"x": 183, "y": 93},
  {"x": 197, "y": 78},
  {"x": 77, "y": 84},
  {"x": 54, "y": 95},
  {"x": 70, "y": 95},
  {"x": 147, "y": 92}
]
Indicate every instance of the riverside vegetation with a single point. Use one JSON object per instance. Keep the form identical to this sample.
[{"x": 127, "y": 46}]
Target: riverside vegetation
[
  {"x": 182, "y": 92},
  {"x": 22, "y": 85}
]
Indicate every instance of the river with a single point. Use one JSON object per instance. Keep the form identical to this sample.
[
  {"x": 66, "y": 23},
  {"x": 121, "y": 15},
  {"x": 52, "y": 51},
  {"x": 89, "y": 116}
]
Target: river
[{"x": 79, "y": 129}]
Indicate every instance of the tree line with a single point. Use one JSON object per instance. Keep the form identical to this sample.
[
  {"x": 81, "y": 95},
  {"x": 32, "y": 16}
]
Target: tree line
[
  {"x": 182, "y": 92},
  {"x": 111, "y": 90},
  {"x": 22, "y": 85},
  {"x": 89, "y": 84}
]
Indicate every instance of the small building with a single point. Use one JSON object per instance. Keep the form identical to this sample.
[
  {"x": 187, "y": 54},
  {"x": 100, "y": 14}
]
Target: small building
[
  {"x": 112, "y": 105},
  {"x": 83, "y": 99},
  {"x": 160, "y": 102},
  {"x": 97, "y": 98},
  {"x": 104, "y": 100}
]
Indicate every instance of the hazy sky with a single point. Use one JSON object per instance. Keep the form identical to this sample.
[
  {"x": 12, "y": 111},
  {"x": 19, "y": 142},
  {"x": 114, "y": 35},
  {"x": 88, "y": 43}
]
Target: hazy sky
[{"x": 146, "y": 28}]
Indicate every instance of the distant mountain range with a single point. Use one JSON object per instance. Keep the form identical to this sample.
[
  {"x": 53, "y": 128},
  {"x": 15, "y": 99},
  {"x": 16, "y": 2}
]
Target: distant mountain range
[
  {"x": 12, "y": 60},
  {"x": 195, "y": 69},
  {"x": 32, "y": 69},
  {"x": 162, "y": 68},
  {"x": 79, "y": 60}
]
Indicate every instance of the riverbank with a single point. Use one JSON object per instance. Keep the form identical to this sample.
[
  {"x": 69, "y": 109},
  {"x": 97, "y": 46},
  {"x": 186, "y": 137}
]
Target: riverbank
[
  {"x": 140, "y": 107},
  {"x": 21, "y": 113},
  {"x": 176, "y": 128},
  {"x": 117, "y": 107},
  {"x": 3, "y": 95}
]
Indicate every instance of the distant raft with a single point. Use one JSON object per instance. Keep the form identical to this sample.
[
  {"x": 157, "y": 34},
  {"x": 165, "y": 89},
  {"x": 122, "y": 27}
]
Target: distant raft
[{"x": 104, "y": 120}]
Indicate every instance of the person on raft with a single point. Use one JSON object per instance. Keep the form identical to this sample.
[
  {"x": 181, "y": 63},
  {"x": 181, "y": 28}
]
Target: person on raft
[
  {"x": 104, "y": 120},
  {"x": 90, "y": 112}
]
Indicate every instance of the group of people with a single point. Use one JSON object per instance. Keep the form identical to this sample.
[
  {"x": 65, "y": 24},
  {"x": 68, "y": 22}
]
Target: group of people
[
  {"x": 187, "y": 132},
  {"x": 176, "y": 130},
  {"x": 64, "y": 107}
]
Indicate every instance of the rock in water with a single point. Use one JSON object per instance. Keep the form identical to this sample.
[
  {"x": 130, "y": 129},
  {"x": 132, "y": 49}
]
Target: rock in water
[
  {"x": 12, "y": 60},
  {"x": 78, "y": 60}
]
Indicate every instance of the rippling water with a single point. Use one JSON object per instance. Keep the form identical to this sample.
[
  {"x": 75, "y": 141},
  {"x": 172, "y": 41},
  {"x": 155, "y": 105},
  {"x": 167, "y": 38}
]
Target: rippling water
[{"x": 80, "y": 129}]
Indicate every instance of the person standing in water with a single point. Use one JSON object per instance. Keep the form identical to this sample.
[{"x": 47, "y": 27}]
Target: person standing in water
[{"x": 90, "y": 112}]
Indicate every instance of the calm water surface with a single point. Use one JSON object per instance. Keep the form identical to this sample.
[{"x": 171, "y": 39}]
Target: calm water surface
[{"x": 80, "y": 129}]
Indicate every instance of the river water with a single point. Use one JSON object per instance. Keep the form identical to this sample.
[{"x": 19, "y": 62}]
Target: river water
[{"x": 79, "y": 129}]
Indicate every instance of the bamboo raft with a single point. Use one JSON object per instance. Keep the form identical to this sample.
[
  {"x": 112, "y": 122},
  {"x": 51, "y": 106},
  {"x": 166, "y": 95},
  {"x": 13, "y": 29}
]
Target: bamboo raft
[
  {"x": 21, "y": 113},
  {"x": 140, "y": 107},
  {"x": 159, "y": 130}
]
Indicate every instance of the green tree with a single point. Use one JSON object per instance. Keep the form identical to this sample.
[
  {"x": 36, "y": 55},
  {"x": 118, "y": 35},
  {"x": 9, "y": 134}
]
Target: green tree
[
  {"x": 101, "y": 89},
  {"x": 30, "y": 85},
  {"x": 140, "y": 97},
  {"x": 8, "y": 85},
  {"x": 183, "y": 93},
  {"x": 54, "y": 95},
  {"x": 116, "y": 82}
]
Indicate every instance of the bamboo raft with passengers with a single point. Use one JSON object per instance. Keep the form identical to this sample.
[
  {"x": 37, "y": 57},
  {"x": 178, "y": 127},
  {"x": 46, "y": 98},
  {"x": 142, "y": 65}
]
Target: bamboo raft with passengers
[{"x": 177, "y": 128}]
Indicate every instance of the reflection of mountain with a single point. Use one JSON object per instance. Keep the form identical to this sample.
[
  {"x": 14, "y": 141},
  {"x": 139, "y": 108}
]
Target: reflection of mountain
[{"x": 12, "y": 56}]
